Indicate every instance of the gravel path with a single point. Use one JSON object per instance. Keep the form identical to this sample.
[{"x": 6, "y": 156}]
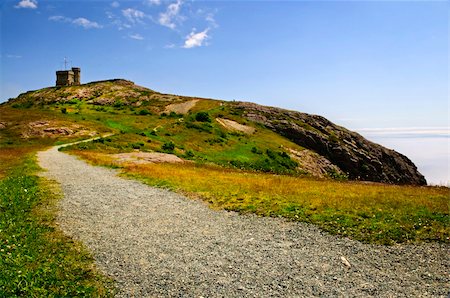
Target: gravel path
[{"x": 156, "y": 243}]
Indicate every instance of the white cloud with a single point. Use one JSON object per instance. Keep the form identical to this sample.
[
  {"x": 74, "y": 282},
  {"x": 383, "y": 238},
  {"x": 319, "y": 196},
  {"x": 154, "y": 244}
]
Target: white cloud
[
  {"x": 169, "y": 46},
  {"x": 10, "y": 56},
  {"x": 82, "y": 22},
  {"x": 168, "y": 17},
  {"x": 136, "y": 36},
  {"x": 59, "y": 19},
  {"x": 196, "y": 39},
  {"x": 85, "y": 23},
  {"x": 154, "y": 2},
  {"x": 115, "y": 4},
  {"x": 32, "y": 4},
  {"x": 133, "y": 15},
  {"x": 211, "y": 20}
]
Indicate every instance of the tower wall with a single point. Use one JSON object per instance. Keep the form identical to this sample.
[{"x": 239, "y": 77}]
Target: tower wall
[
  {"x": 76, "y": 75},
  {"x": 64, "y": 78}
]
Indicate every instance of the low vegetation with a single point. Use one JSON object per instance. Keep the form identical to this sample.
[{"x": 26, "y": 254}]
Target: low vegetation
[
  {"x": 369, "y": 212},
  {"x": 250, "y": 171},
  {"x": 37, "y": 260}
]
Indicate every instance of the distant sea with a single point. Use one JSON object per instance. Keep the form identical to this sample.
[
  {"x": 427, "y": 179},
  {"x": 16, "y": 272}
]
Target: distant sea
[{"x": 428, "y": 148}]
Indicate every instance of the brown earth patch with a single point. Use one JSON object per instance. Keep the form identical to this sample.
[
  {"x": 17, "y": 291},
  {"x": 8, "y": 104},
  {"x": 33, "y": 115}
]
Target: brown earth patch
[
  {"x": 146, "y": 157},
  {"x": 313, "y": 163},
  {"x": 233, "y": 125},
  {"x": 181, "y": 108},
  {"x": 53, "y": 129}
]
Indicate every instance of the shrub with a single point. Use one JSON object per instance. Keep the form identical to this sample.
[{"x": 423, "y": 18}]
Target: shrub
[
  {"x": 189, "y": 154},
  {"x": 137, "y": 145},
  {"x": 118, "y": 104},
  {"x": 175, "y": 115},
  {"x": 144, "y": 112},
  {"x": 168, "y": 146},
  {"x": 202, "y": 117},
  {"x": 64, "y": 110},
  {"x": 256, "y": 150},
  {"x": 206, "y": 127}
]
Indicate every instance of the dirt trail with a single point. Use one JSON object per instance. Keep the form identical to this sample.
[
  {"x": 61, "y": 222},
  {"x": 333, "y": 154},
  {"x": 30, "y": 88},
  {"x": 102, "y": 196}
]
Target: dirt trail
[{"x": 157, "y": 243}]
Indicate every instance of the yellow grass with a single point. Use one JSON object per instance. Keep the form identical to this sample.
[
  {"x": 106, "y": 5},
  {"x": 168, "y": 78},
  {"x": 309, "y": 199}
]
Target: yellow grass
[{"x": 367, "y": 211}]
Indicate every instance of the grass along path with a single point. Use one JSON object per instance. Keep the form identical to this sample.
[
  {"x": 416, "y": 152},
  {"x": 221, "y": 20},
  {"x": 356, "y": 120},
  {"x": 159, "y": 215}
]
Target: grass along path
[
  {"x": 156, "y": 243},
  {"x": 372, "y": 213},
  {"x": 36, "y": 258}
]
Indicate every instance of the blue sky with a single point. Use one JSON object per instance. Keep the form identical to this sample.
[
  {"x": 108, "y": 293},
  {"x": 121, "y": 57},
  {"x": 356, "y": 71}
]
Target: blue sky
[{"x": 379, "y": 67}]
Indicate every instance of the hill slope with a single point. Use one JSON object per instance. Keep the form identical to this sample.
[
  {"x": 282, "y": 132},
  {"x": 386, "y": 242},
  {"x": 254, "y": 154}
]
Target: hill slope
[{"x": 232, "y": 134}]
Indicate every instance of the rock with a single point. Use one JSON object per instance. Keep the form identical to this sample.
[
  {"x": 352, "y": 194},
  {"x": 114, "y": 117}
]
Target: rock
[
  {"x": 360, "y": 158},
  {"x": 346, "y": 262}
]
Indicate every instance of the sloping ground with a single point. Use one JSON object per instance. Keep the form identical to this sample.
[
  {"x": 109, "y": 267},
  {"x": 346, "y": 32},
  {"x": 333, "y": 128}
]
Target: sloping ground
[
  {"x": 181, "y": 108},
  {"x": 233, "y": 125},
  {"x": 352, "y": 153},
  {"x": 133, "y": 109},
  {"x": 157, "y": 243}
]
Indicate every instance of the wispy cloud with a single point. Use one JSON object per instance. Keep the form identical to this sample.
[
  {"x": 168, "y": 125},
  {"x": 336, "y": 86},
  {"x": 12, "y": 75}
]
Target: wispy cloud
[
  {"x": 211, "y": 20},
  {"x": 115, "y": 4},
  {"x": 31, "y": 4},
  {"x": 133, "y": 15},
  {"x": 169, "y": 46},
  {"x": 136, "y": 36},
  {"x": 81, "y": 22},
  {"x": 171, "y": 14},
  {"x": 153, "y": 2},
  {"x": 11, "y": 56},
  {"x": 196, "y": 39},
  {"x": 59, "y": 19},
  {"x": 85, "y": 23}
]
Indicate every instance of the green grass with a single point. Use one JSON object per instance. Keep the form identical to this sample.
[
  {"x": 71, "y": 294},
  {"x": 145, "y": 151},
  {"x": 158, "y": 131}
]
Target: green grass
[
  {"x": 373, "y": 213},
  {"x": 37, "y": 260}
]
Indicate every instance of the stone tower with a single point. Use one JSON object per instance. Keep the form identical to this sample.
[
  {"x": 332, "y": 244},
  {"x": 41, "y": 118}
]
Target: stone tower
[
  {"x": 76, "y": 75},
  {"x": 68, "y": 77}
]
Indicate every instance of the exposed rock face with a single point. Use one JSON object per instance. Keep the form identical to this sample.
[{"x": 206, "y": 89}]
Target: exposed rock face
[{"x": 352, "y": 153}]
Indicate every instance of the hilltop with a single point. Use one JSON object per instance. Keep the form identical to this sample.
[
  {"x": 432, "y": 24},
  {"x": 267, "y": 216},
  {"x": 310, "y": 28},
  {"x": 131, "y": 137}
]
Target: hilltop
[{"x": 239, "y": 135}]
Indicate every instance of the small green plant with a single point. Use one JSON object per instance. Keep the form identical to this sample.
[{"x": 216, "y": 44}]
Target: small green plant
[
  {"x": 64, "y": 110},
  {"x": 202, "y": 117},
  {"x": 144, "y": 112},
  {"x": 175, "y": 115},
  {"x": 118, "y": 104},
  {"x": 333, "y": 138},
  {"x": 256, "y": 151},
  {"x": 137, "y": 145},
  {"x": 168, "y": 147},
  {"x": 189, "y": 154}
]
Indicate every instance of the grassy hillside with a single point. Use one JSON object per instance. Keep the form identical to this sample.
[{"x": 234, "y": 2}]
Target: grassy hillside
[
  {"x": 37, "y": 259},
  {"x": 229, "y": 161}
]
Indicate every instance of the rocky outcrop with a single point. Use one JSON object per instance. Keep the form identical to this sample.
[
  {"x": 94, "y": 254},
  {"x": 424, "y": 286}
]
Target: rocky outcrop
[{"x": 352, "y": 153}]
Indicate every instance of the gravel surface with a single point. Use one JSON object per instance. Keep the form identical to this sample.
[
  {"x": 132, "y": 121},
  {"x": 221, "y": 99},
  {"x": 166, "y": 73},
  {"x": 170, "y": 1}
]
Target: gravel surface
[{"x": 156, "y": 243}]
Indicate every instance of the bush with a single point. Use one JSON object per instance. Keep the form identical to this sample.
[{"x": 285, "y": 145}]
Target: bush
[
  {"x": 256, "y": 150},
  {"x": 189, "y": 154},
  {"x": 144, "y": 112},
  {"x": 168, "y": 146},
  {"x": 175, "y": 115},
  {"x": 202, "y": 117},
  {"x": 137, "y": 145},
  {"x": 64, "y": 110},
  {"x": 206, "y": 127}
]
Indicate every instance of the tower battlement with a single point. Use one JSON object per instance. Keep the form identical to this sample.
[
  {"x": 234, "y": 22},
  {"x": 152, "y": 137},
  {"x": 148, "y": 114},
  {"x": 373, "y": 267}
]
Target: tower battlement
[{"x": 68, "y": 77}]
